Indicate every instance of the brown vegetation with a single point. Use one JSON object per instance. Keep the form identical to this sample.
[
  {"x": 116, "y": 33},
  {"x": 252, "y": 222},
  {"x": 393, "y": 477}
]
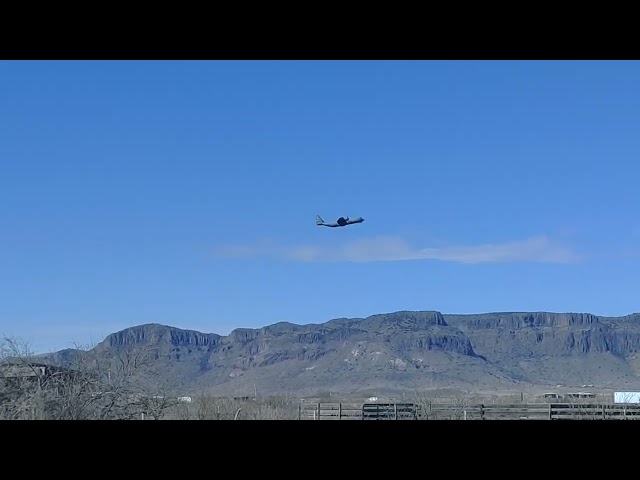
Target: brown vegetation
[{"x": 207, "y": 407}]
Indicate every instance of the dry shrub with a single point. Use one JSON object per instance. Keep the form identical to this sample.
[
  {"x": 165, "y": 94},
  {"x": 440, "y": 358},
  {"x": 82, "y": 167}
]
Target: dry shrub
[
  {"x": 90, "y": 386},
  {"x": 207, "y": 407}
]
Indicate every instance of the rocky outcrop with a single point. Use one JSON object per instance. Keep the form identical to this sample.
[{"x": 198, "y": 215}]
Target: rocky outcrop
[
  {"x": 405, "y": 320},
  {"x": 445, "y": 343},
  {"x": 520, "y": 320}
]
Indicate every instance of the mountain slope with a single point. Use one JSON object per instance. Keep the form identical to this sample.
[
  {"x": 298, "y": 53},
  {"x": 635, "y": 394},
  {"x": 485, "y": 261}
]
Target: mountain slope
[{"x": 393, "y": 352}]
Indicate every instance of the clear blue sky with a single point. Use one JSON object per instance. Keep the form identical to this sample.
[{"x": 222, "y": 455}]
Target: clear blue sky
[{"x": 185, "y": 193}]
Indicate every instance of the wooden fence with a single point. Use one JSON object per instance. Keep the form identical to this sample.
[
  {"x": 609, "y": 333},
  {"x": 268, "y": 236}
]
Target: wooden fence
[{"x": 408, "y": 411}]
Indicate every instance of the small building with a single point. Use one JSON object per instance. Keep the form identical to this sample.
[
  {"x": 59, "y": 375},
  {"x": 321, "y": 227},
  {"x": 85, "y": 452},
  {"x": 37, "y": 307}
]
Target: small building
[
  {"x": 15, "y": 375},
  {"x": 626, "y": 397},
  {"x": 23, "y": 370},
  {"x": 29, "y": 370},
  {"x": 551, "y": 396}
]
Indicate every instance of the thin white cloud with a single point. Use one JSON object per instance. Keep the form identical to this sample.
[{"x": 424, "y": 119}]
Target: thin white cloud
[{"x": 394, "y": 249}]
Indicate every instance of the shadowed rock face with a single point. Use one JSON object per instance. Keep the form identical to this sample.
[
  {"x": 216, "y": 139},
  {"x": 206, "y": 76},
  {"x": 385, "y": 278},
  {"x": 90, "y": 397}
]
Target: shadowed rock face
[
  {"x": 523, "y": 320},
  {"x": 400, "y": 350}
]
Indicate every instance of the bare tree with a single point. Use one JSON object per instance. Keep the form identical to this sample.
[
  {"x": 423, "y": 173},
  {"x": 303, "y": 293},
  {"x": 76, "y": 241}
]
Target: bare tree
[
  {"x": 22, "y": 384},
  {"x": 92, "y": 384}
]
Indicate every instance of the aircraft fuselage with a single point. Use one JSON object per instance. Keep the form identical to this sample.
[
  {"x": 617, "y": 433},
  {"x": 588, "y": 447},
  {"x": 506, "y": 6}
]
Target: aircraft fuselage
[{"x": 341, "y": 222}]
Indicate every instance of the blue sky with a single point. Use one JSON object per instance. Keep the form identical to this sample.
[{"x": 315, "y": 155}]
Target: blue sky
[{"x": 185, "y": 193}]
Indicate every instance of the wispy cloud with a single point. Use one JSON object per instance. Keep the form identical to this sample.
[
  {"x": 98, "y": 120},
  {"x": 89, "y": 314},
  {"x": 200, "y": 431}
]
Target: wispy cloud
[{"x": 394, "y": 249}]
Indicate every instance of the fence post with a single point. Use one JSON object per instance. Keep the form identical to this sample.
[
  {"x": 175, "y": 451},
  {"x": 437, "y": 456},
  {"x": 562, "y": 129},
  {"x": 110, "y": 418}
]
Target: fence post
[
  {"x": 550, "y": 414},
  {"x": 339, "y": 411},
  {"x": 318, "y": 417},
  {"x": 300, "y": 411},
  {"x": 482, "y": 411},
  {"x": 395, "y": 410}
]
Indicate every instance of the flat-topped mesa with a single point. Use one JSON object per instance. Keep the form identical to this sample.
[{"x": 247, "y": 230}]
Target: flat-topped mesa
[
  {"x": 549, "y": 334},
  {"x": 149, "y": 334}
]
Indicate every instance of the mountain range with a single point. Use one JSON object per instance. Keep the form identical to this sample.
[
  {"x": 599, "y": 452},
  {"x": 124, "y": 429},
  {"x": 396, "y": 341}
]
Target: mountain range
[{"x": 393, "y": 352}]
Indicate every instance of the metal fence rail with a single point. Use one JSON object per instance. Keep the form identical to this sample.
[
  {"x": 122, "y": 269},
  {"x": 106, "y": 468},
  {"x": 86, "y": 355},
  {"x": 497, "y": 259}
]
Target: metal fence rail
[
  {"x": 330, "y": 411},
  {"x": 411, "y": 411},
  {"x": 389, "y": 411}
]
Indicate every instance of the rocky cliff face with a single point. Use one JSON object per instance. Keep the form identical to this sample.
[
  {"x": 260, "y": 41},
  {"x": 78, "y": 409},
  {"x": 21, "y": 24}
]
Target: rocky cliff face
[
  {"x": 552, "y": 348},
  {"x": 549, "y": 333},
  {"x": 400, "y": 350},
  {"x": 161, "y": 334}
]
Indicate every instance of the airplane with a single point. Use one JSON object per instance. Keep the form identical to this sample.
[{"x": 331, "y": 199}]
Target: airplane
[{"x": 342, "y": 221}]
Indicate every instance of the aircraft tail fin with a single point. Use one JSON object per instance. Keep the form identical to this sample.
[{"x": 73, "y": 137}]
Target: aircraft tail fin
[{"x": 319, "y": 220}]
